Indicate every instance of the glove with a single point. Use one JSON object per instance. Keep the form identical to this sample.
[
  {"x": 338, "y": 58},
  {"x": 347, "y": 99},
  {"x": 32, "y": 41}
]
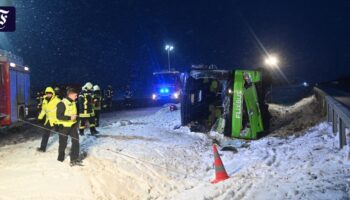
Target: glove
[{"x": 40, "y": 121}]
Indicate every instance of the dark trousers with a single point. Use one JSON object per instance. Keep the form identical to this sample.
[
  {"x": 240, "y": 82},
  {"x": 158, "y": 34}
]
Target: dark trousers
[
  {"x": 109, "y": 103},
  {"x": 97, "y": 118},
  {"x": 63, "y": 138},
  {"x": 46, "y": 136},
  {"x": 83, "y": 121}
]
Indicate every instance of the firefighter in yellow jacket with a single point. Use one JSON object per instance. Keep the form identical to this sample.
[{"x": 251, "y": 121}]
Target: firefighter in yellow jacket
[{"x": 48, "y": 110}]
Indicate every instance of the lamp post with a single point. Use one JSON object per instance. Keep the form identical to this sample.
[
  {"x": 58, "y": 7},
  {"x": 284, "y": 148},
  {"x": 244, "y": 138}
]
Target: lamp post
[
  {"x": 169, "y": 48},
  {"x": 271, "y": 61}
]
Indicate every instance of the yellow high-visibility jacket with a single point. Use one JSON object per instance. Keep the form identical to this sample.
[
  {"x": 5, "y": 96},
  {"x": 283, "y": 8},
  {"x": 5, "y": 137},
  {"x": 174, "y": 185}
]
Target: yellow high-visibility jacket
[
  {"x": 49, "y": 108},
  {"x": 69, "y": 108}
]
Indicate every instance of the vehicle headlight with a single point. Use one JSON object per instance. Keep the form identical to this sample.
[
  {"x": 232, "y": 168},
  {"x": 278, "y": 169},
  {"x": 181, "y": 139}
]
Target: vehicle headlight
[
  {"x": 154, "y": 96},
  {"x": 176, "y": 95}
]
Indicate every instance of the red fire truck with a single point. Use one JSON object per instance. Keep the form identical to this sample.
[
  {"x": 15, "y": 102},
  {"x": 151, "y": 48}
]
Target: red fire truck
[{"x": 14, "y": 89}]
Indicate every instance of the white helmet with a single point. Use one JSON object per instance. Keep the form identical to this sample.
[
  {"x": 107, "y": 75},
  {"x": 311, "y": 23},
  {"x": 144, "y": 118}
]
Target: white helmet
[
  {"x": 96, "y": 88},
  {"x": 87, "y": 86}
]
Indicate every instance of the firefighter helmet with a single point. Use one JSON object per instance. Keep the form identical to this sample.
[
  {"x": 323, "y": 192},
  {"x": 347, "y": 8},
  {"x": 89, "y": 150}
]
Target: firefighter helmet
[
  {"x": 96, "y": 88},
  {"x": 87, "y": 86},
  {"x": 57, "y": 89}
]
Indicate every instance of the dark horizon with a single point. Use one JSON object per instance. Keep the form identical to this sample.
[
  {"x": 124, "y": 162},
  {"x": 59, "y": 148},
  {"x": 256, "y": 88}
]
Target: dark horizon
[{"x": 118, "y": 42}]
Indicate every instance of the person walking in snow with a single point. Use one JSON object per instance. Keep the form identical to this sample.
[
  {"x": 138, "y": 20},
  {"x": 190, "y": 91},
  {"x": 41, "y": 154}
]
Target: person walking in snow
[
  {"x": 48, "y": 110},
  {"x": 67, "y": 115}
]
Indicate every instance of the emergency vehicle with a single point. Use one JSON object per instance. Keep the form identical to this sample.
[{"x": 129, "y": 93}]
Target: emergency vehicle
[
  {"x": 14, "y": 89},
  {"x": 166, "y": 85}
]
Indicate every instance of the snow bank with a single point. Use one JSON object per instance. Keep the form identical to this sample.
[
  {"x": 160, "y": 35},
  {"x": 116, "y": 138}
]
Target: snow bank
[
  {"x": 306, "y": 167},
  {"x": 295, "y": 119}
]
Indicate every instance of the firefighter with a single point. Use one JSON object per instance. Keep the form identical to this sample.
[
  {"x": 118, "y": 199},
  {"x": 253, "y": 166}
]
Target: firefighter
[
  {"x": 108, "y": 97},
  {"x": 67, "y": 115},
  {"x": 127, "y": 96},
  {"x": 97, "y": 100},
  {"x": 86, "y": 111},
  {"x": 49, "y": 111}
]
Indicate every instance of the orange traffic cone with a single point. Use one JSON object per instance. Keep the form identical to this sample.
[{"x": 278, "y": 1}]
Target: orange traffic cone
[{"x": 220, "y": 172}]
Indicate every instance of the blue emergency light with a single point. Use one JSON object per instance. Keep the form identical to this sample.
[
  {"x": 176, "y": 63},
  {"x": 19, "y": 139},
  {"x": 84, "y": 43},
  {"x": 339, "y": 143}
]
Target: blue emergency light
[{"x": 164, "y": 90}]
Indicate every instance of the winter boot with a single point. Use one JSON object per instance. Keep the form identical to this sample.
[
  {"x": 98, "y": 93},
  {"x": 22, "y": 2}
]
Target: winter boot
[
  {"x": 93, "y": 131},
  {"x": 76, "y": 163},
  {"x": 60, "y": 157},
  {"x": 39, "y": 149}
]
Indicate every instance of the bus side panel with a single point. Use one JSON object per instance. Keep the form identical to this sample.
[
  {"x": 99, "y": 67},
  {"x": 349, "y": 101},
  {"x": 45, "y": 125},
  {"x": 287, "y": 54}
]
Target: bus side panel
[{"x": 13, "y": 93}]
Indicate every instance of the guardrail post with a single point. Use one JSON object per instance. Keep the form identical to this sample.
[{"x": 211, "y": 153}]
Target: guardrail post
[
  {"x": 342, "y": 133},
  {"x": 324, "y": 106},
  {"x": 329, "y": 113},
  {"x": 335, "y": 122},
  {"x": 338, "y": 115}
]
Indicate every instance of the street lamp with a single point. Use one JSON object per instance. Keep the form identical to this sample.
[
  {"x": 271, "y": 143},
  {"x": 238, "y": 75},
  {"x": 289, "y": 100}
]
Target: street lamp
[
  {"x": 169, "y": 48},
  {"x": 272, "y": 61}
]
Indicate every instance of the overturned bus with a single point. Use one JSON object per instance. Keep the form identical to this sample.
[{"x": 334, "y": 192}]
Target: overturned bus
[{"x": 231, "y": 102}]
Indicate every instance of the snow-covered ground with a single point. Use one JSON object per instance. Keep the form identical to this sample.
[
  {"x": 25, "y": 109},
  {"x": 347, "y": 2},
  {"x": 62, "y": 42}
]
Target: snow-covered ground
[{"x": 146, "y": 158}]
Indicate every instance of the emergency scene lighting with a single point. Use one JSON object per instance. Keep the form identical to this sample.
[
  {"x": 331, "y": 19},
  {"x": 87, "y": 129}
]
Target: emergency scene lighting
[{"x": 213, "y": 100}]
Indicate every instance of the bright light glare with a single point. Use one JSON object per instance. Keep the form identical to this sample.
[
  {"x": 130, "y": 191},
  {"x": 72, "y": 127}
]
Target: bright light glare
[
  {"x": 271, "y": 61},
  {"x": 305, "y": 84},
  {"x": 176, "y": 95},
  {"x": 26, "y": 68},
  {"x": 12, "y": 64},
  {"x": 154, "y": 96},
  {"x": 169, "y": 47}
]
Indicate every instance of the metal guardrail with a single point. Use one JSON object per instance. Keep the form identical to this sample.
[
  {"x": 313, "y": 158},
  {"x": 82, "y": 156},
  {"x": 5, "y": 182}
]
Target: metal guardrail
[{"x": 337, "y": 114}]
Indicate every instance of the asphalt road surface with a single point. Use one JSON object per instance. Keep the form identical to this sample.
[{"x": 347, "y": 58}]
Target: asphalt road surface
[{"x": 338, "y": 94}]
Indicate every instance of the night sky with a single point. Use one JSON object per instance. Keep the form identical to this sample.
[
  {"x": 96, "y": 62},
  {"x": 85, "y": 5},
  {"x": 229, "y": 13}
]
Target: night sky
[{"x": 122, "y": 42}]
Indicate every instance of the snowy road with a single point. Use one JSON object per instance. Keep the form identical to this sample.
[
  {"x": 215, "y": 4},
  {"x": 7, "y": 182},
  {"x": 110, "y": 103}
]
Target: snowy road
[
  {"x": 139, "y": 155},
  {"x": 340, "y": 95}
]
